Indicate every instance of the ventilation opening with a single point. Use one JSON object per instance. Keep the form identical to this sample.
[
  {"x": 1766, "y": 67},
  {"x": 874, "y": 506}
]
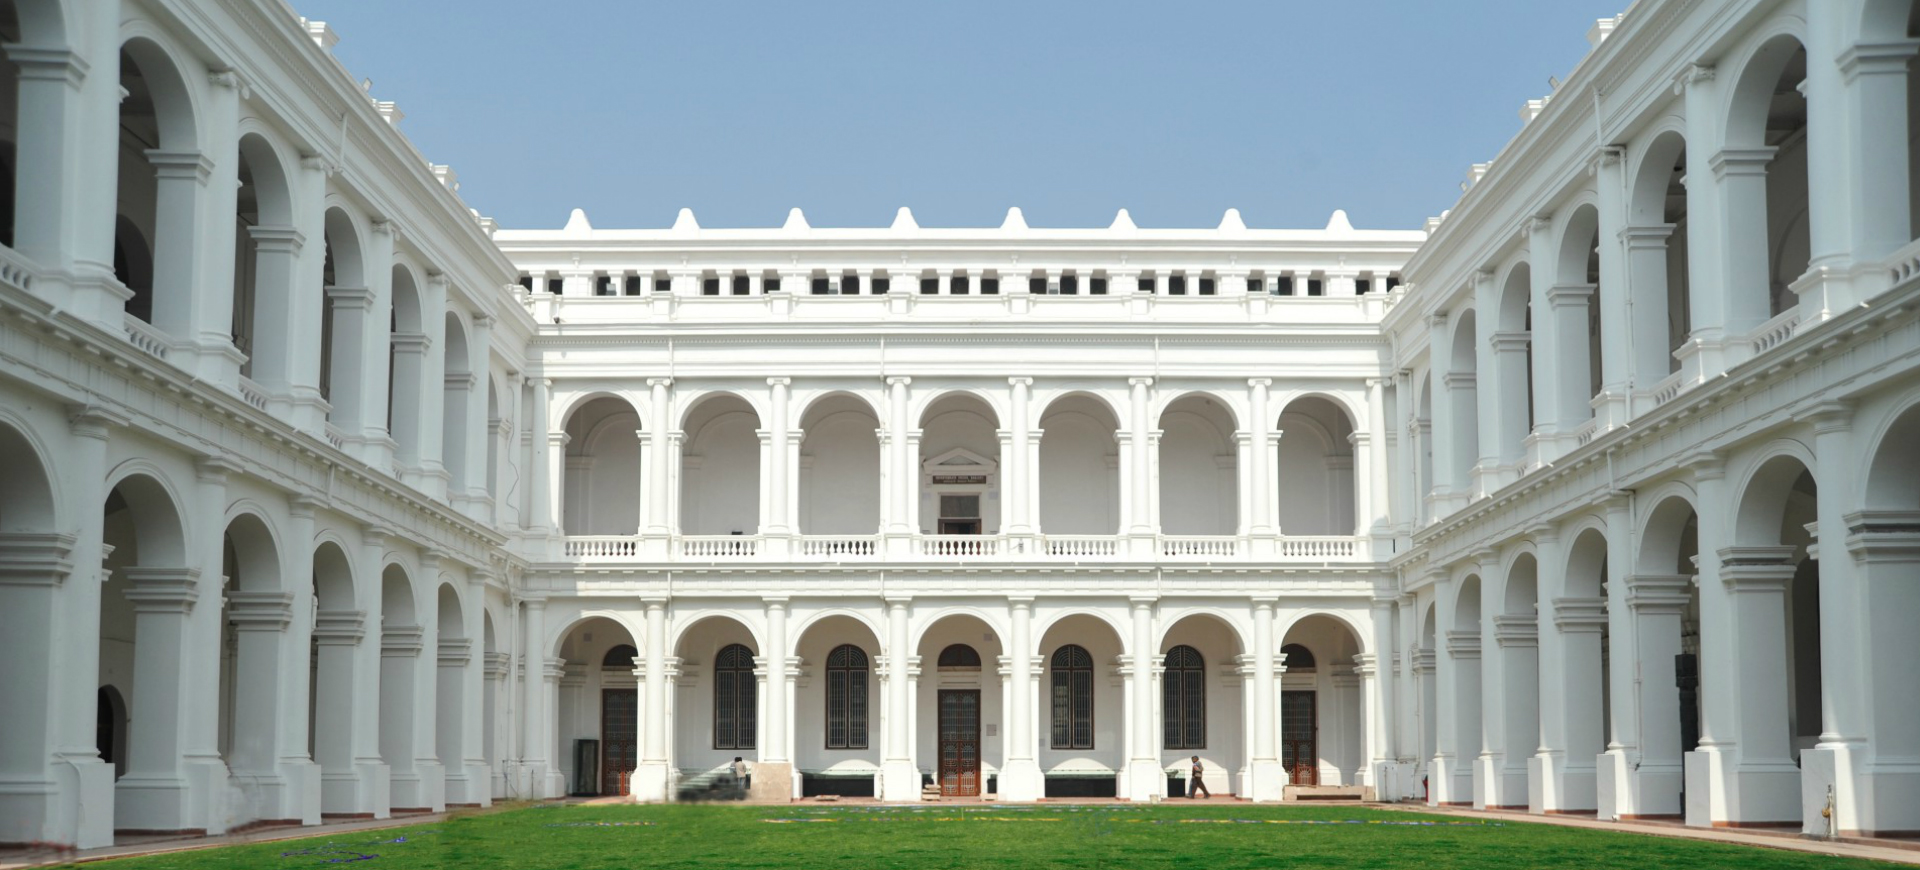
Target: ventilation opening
[
  {"x": 603, "y": 285},
  {"x": 960, "y": 286},
  {"x": 849, "y": 285},
  {"x": 1097, "y": 286},
  {"x": 1177, "y": 285},
  {"x": 989, "y": 286},
  {"x": 1316, "y": 287},
  {"x": 633, "y": 285},
  {"x": 929, "y": 286},
  {"x": 554, "y": 285},
  {"x": 742, "y": 286},
  {"x": 882, "y": 285},
  {"x": 1206, "y": 287},
  {"x": 710, "y": 286}
]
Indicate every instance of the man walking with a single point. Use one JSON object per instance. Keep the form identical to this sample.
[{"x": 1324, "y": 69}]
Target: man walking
[
  {"x": 1196, "y": 788},
  {"x": 743, "y": 773}
]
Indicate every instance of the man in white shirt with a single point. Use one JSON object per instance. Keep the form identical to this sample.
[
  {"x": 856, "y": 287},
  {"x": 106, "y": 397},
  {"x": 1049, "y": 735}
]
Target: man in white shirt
[{"x": 742, "y": 772}]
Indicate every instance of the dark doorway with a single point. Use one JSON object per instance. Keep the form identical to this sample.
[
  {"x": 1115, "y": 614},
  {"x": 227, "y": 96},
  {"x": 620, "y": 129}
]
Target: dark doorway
[
  {"x": 959, "y": 742},
  {"x": 619, "y": 739},
  {"x": 1299, "y": 744}
]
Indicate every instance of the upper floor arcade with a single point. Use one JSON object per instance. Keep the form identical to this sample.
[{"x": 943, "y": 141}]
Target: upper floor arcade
[{"x": 1750, "y": 185}]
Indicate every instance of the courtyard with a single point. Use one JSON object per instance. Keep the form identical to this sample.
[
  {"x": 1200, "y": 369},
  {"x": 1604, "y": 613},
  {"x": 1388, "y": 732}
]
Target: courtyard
[{"x": 978, "y": 836}]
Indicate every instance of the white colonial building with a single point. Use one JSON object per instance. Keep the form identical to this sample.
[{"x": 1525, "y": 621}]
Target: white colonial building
[{"x": 321, "y": 498}]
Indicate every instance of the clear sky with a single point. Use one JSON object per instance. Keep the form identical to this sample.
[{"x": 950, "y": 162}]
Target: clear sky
[{"x": 1284, "y": 109}]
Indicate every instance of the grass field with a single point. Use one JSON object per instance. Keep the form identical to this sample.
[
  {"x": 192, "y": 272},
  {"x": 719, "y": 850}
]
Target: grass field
[{"x": 1196, "y": 838}]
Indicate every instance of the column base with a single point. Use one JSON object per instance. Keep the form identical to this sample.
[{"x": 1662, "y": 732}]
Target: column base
[
  {"x": 772, "y": 782},
  {"x": 899, "y": 781},
  {"x": 1269, "y": 781},
  {"x": 1706, "y": 801},
  {"x": 652, "y": 782},
  {"x": 340, "y": 792},
  {"x": 147, "y": 802},
  {"x": 480, "y": 783},
  {"x": 1485, "y": 781},
  {"x": 82, "y": 805},
  {"x": 1146, "y": 781},
  {"x": 1022, "y": 782},
  {"x": 1824, "y": 767},
  {"x": 1564, "y": 787},
  {"x": 1610, "y": 786},
  {"x": 207, "y": 794},
  {"x": 300, "y": 797},
  {"x": 1765, "y": 793},
  {"x": 1394, "y": 780},
  {"x": 554, "y": 785},
  {"x": 1653, "y": 791},
  {"x": 1888, "y": 801},
  {"x": 375, "y": 792}
]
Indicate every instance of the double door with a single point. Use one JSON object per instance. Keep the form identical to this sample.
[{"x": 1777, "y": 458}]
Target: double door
[
  {"x": 619, "y": 739},
  {"x": 1299, "y": 743},
  {"x": 959, "y": 742}
]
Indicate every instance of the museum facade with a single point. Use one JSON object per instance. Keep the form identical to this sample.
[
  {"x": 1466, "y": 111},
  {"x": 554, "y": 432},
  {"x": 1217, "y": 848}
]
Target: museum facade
[{"x": 323, "y": 497}]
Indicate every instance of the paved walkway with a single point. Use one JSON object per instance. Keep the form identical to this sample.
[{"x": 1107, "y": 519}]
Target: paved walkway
[{"x": 1898, "y": 851}]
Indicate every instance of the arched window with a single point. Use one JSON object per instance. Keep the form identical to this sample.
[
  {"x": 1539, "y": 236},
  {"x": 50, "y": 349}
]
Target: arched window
[
  {"x": 1072, "y": 698},
  {"x": 1298, "y": 658},
  {"x": 846, "y": 698},
  {"x": 959, "y": 655},
  {"x": 1183, "y": 699},
  {"x": 622, "y": 656},
  {"x": 735, "y": 703}
]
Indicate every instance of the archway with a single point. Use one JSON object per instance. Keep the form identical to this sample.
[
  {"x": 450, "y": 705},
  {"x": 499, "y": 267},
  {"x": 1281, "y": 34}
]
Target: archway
[
  {"x": 1515, "y": 415},
  {"x": 960, "y": 696},
  {"x": 1320, "y": 728},
  {"x": 158, "y": 188},
  {"x": 1575, "y": 300},
  {"x": 1582, "y": 617},
  {"x": 1079, "y": 467},
  {"x": 838, "y": 740},
  {"x": 345, "y": 304},
  {"x": 1461, "y": 383},
  {"x": 720, "y": 488},
  {"x": 401, "y": 738},
  {"x": 840, "y": 467},
  {"x": 1516, "y": 632},
  {"x": 1765, "y": 189},
  {"x": 258, "y": 610},
  {"x": 1463, "y": 660},
  {"x": 458, "y": 391},
  {"x": 148, "y": 596},
  {"x": 1199, "y": 479},
  {"x": 406, "y": 371},
  {"x": 1665, "y": 604},
  {"x": 1204, "y": 705},
  {"x": 1657, "y": 239},
  {"x": 958, "y": 477},
  {"x": 1315, "y": 468},
  {"x": 1888, "y": 571},
  {"x": 1082, "y": 712},
  {"x": 601, "y": 490},
  {"x": 334, "y": 702},
  {"x": 598, "y": 720},
  {"x": 453, "y": 655}
]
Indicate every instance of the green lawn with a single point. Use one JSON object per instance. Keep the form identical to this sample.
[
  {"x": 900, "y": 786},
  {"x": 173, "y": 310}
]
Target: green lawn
[{"x": 1196, "y": 838}]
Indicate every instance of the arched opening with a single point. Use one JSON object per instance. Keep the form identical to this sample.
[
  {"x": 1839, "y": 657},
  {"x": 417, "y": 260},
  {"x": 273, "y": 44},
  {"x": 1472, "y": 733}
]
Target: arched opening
[
  {"x": 836, "y": 730},
  {"x": 460, "y": 381},
  {"x": 1765, "y": 164},
  {"x": 1575, "y": 300},
  {"x": 1082, "y": 713},
  {"x": 1461, "y": 380},
  {"x": 10, "y": 34},
  {"x": 1516, "y": 631},
  {"x": 406, "y": 367},
  {"x": 720, "y": 487},
  {"x": 1315, "y": 468},
  {"x": 1888, "y": 571},
  {"x": 133, "y": 266},
  {"x": 598, "y": 726},
  {"x": 960, "y": 741},
  {"x": 333, "y": 698},
  {"x": 1320, "y": 728},
  {"x": 497, "y": 431},
  {"x": 1203, "y": 705},
  {"x": 1423, "y": 669},
  {"x": 1079, "y": 467},
  {"x": 265, "y": 248},
  {"x": 147, "y": 588},
  {"x": 1199, "y": 468},
  {"x": 496, "y": 724},
  {"x": 600, "y": 494},
  {"x": 840, "y": 467},
  {"x": 344, "y": 306},
  {"x": 1513, "y": 366},
  {"x": 256, "y": 615},
  {"x": 160, "y": 179},
  {"x": 1582, "y": 617},
  {"x": 110, "y": 729},
  {"x": 716, "y": 708},
  {"x": 401, "y": 642},
  {"x": 1665, "y": 600},
  {"x": 1657, "y": 238},
  {"x": 1776, "y": 581},
  {"x": 959, "y": 474},
  {"x": 454, "y": 652}
]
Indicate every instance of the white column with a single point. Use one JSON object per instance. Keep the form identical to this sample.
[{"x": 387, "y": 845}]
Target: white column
[
  {"x": 1260, "y": 472},
  {"x": 1568, "y": 308},
  {"x": 1874, "y": 76},
  {"x": 1616, "y": 339},
  {"x": 653, "y": 779},
  {"x": 1269, "y": 778},
  {"x": 773, "y": 752},
  {"x": 351, "y": 357},
  {"x": 1498, "y": 387},
  {"x": 899, "y": 778},
  {"x": 1839, "y": 756},
  {"x": 778, "y": 462},
  {"x": 433, "y": 321},
  {"x": 1516, "y": 640},
  {"x": 1020, "y": 778},
  {"x": 1145, "y": 778},
  {"x": 1018, "y": 475},
  {"x": 902, "y": 477},
  {"x": 1140, "y": 428},
  {"x": 1708, "y": 237},
  {"x": 1447, "y": 477},
  {"x": 78, "y": 816},
  {"x": 374, "y": 786},
  {"x": 1614, "y": 778},
  {"x": 480, "y": 363},
  {"x": 1370, "y": 464},
  {"x": 375, "y": 425},
  {"x": 535, "y": 712},
  {"x": 51, "y": 160}
]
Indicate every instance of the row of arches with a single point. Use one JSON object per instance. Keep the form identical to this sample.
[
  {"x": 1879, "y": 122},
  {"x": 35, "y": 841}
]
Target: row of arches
[
  {"x": 1676, "y": 260},
  {"x": 840, "y": 470},
  {"x": 1083, "y": 729}
]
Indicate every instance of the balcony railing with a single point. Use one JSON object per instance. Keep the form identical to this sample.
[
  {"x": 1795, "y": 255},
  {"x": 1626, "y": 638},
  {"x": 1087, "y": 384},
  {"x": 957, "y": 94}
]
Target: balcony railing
[
  {"x": 252, "y": 392},
  {"x": 149, "y": 340},
  {"x": 1042, "y": 548},
  {"x": 1776, "y": 331}
]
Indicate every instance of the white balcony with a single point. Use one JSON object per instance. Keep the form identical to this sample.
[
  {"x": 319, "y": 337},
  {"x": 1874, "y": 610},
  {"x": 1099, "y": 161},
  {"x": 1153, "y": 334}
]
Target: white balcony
[{"x": 967, "y": 548}]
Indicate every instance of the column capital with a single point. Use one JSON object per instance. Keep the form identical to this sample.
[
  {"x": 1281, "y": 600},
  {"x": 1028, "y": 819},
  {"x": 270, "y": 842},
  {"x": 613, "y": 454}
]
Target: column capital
[
  {"x": 1463, "y": 644},
  {"x": 1259, "y": 382},
  {"x": 1568, "y": 296},
  {"x": 303, "y": 507},
  {"x": 654, "y": 602},
  {"x": 94, "y": 421},
  {"x": 260, "y": 611},
  {"x": 162, "y": 590},
  {"x": 1835, "y": 415},
  {"x": 898, "y": 380},
  {"x": 897, "y": 602},
  {"x": 1516, "y": 632},
  {"x": 1757, "y": 569},
  {"x": 1020, "y": 382},
  {"x": 1705, "y": 464},
  {"x": 277, "y": 240},
  {"x": 339, "y": 627},
  {"x": 1143, "y": 602},
  {"x": 1877, "y": 58},
  {"x": 779, "y": 382},
  {"x": 659, "y": 382},
  {"x": 1580, "y": 615},
  {"x": 1659, "y": 593},
  {"x": 188, "y": 165},
  {"x": 47, "y": 64},
  {"x": 1140, "y": 381},
  {"x": 1538, "y": 223},
  {"x": 1749, "y": 161}
]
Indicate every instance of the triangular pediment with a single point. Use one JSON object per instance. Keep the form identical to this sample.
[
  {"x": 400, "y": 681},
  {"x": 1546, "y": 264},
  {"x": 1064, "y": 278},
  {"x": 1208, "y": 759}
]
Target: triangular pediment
[{"x": 959, "y": 460}]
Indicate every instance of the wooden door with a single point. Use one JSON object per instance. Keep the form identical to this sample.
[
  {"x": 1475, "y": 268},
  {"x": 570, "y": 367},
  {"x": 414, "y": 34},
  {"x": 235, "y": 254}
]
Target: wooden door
[
  {"x": 1299, "y": 744},
  {"x": 619, "y": 739},
  {"x": 959, "y": 742}
]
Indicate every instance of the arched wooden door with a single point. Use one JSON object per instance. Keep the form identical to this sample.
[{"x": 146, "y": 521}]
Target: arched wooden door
[{"x": 1299, "y": 746}]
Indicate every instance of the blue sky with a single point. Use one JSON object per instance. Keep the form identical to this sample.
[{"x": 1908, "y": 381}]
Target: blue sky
[{"x": 1286, "y": 110}]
